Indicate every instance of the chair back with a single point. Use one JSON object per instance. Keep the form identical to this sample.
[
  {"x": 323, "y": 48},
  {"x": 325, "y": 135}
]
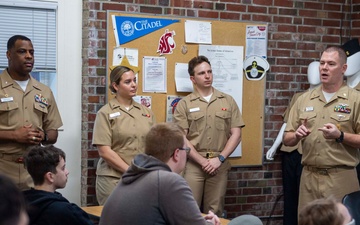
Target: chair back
[{"x": 352, "y": 202}]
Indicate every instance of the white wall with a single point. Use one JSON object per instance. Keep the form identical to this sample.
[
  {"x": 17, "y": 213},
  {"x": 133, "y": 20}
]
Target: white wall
[{"x": 69, "y": 71}]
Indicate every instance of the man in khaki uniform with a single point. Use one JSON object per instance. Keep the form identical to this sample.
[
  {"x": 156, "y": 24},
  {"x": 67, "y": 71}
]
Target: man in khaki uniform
[
  {"x": 212, "y": 122},
  {"x": 291, "y": 155},
  {"x": 28, "y": 111},
  {"x": 327, "y": 122}
]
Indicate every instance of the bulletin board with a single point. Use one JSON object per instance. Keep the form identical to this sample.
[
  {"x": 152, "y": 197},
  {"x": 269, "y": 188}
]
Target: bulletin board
[{"x": 223, "y": 33}]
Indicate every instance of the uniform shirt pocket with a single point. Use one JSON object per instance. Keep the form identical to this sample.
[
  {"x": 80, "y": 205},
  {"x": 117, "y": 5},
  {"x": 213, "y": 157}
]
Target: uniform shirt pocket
[
  {"x": 196, "y": 122},
  {"x": 8, "y": 112},
  {"x": 310, "y": 117},
  {"x": 222, "y": 120},
  {"x": 341, "y": 120},
  {"x": 40, "y": 108}
]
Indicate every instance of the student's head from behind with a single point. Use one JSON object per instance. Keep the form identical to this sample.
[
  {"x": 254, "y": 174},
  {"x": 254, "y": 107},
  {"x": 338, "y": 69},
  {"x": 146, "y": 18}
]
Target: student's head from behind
[
  {"x": 123, "y": 81},
  {"x": 166, "y": 141},
  {"x": 20, "y": 55},
  {"x": 326, "y": 211},
  {"x": 12, "y": 206},
  {"x": 195, "y": 62},
  {"x": 46, "y": 165}
]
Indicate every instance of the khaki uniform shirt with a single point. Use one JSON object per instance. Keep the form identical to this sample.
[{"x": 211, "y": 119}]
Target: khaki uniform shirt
[
  {"x": 35, "y": 106},
  {"x": 343, "y": 110},
  {"x": 357, "y": 87},
  {"x": 209, "y": 123},
  {"x": 297, "y": 147},
  {"x": 123, "y": 130}
]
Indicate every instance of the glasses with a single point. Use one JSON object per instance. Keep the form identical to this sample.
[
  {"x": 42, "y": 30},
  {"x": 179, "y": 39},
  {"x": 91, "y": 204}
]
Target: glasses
[{"x": 186, "y": 149}]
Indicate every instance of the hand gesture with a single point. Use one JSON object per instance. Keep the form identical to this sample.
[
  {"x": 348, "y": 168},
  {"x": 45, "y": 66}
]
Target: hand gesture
[
  {"x": 302, "y": 130},
  {"x": 330, "y": 131}
]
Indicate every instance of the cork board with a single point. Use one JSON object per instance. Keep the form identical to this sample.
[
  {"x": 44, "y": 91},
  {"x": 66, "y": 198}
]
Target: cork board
[{"x": 223, "y": 33}]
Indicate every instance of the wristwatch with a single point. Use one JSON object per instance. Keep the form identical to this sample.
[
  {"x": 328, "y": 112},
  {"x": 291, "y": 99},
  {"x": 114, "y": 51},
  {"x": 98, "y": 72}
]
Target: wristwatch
[
  {"x": 46, "y": 138},
  {"x": 341, "y": 138},
  {"x": 221, "y": 158}
]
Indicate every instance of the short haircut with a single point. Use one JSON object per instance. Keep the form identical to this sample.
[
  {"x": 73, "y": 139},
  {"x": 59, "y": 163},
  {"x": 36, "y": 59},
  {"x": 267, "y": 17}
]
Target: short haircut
[
  {"x": 12, "y": 202},
  {"x": 163, "y": 139},
  {"x": 196, "y": 61},
  {"x": 339, "y": 50},
  {"x": 40, "y": 160},
  {"x": 13, "y": 39},
  {"x": 323, "y": 211},
  {"x": 116, "y": 74}
]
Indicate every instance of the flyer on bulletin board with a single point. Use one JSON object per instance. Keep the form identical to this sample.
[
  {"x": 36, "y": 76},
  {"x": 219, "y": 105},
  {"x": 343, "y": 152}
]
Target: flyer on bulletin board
[
  {"x": 171, "y": 103},
  {"x": 256, "y": 40}
]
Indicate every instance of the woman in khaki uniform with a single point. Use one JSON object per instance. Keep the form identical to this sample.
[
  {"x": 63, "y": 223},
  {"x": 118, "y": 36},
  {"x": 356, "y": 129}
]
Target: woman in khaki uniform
[{"x": 119, "y": 131}]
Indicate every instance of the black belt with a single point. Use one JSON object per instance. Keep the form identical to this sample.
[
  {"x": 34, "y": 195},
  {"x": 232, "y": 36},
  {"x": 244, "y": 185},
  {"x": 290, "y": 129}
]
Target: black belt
[{"x": 327, "y": 171}]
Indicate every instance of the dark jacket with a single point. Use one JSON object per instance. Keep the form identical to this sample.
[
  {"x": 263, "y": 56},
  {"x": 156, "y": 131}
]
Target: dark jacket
[{"x": 47, "y": 208}]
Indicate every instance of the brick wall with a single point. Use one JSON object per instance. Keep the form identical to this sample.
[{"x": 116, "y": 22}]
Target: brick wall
[{"x": 298, "y": 32}]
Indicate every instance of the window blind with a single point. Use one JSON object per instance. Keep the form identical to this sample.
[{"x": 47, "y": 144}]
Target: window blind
[{"x": 38, "y": 24}]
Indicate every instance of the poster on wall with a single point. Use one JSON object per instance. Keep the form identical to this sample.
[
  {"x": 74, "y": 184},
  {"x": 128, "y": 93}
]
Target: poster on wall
[
  {"x": 182, "y": 78},
  {"x": 171, "y": 103},
  {"x": 198, "y": 32},
  {"x": 256, "y": 40},
  {"x": 132, "y": 55},
  {"x": 143, "y": 100},
  {"x": 154, "y": 74}
]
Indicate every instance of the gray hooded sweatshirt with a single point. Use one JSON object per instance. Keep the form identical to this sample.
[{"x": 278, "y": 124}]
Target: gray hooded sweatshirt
[{"x": 149, "y": 193}]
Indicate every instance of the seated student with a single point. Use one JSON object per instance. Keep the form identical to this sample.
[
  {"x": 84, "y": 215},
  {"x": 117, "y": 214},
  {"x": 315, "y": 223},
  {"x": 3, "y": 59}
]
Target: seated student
[
  {"x": 12, "y": 206},
  {"x": 325, "y": 211},
  {"x": 46, "y": 165},
  {"x": 151, "y": 191}
]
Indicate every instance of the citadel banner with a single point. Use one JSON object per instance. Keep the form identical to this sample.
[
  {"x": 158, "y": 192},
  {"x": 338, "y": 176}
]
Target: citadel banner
[{"x": 127, "y": 28}]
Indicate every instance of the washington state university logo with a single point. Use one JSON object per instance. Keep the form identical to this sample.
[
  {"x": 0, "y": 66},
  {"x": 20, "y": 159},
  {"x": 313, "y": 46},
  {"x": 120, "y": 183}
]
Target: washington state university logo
[{"x": 166, "y": 43}]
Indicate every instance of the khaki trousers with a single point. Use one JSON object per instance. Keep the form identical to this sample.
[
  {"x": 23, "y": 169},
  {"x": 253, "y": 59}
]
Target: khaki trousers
[
  {"x": 321, "y": 184},
  {"x": 17, "y": 173},
  {"x": 104, "y": 187},
  {"x": 209, "y": 191}
]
